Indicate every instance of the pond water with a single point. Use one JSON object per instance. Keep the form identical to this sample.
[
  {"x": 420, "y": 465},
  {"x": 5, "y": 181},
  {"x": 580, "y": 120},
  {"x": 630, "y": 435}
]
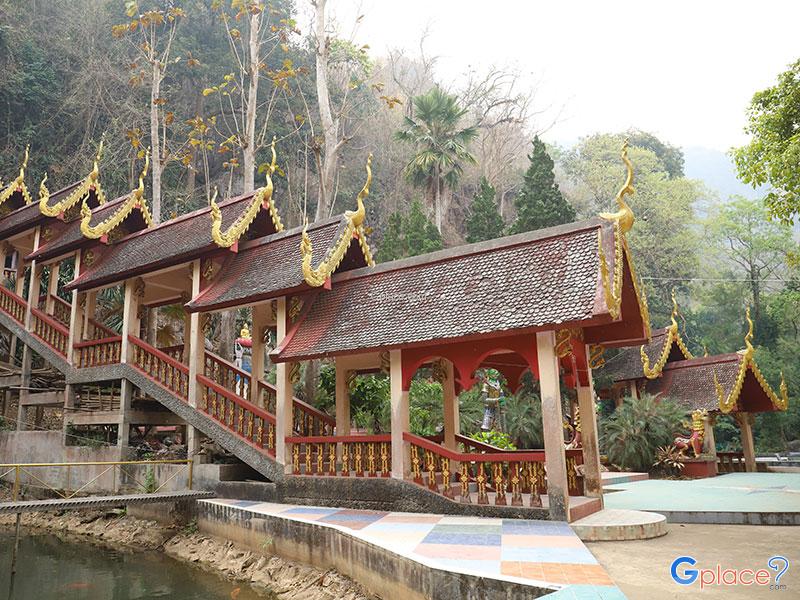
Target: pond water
[{"x": 49, "y": 568}]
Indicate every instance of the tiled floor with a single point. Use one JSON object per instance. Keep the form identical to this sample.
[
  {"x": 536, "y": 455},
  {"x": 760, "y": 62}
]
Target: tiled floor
[
  {"x": 615, "y": 477},
  {"x": 543, "y": 553},
  {"x": 734, "y": 492}
]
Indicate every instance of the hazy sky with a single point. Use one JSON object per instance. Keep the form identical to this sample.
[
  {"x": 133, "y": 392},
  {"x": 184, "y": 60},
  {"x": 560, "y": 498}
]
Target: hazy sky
[{"x": 683, "y": 70}]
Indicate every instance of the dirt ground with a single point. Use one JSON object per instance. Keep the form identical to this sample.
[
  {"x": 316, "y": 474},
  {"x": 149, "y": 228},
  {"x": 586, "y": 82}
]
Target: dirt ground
[{"x": 642, "y": 568}]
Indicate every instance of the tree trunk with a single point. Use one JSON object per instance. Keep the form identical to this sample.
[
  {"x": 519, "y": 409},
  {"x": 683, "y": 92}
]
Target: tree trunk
[
  {"x": 155, "y": 141},
  {"x": 437, "y": 200},
  {"x": 329, "y": 125},
  {"x": 227, "y": 334},
  {"x": 249, "y": 148}
]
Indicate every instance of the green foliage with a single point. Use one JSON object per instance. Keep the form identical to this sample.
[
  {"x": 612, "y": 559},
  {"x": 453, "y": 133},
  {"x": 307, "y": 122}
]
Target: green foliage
[
  {"x": 668, "y": 460},
  {"x": 540, "y": 203},
  {"x": 425, "y": 400},
  {"x": 495, "y": 438},
  {"x": 421, "y": 236},
  {"x": 632, "y": 435},
  {"x": 409, "y": 235},
  {"x": 523, "y": 413},
  {"x": 484, "y": 221},
  {"x": 470, "y": 410},
  {"x": 6, "y": 424},
  {"x": 671, "y": 157},
  {"x": 664, "y": 240},
  {"x": 150, "y": 483},
  {"x": 773, "y": 153}
]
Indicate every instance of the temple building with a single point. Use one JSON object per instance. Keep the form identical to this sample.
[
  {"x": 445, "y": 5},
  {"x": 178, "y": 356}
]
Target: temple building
[
  {"x": 722, "y": 384},
  {"x": 545, "y": 302}
]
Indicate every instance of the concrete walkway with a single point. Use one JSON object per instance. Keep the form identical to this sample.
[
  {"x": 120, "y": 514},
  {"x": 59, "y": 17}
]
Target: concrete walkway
[
  {"x": 537, "y": 553},
  {"x": 735, "y": 498}
]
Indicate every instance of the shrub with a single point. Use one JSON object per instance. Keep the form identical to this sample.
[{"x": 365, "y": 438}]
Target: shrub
[
  {"x": 494, "y": 438},
  {"x": 632, "y": 434}
]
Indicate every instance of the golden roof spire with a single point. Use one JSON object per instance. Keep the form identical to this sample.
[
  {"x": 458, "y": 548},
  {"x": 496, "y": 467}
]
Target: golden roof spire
[
  {"x": 261, "y": 199},
  {"x": 748, "y": 337},
  {"x": 624, "y": 215},
  {"x": 357, "y": 217},
  {"x": 18, "y": 184},
  {"x": 90, "y": 183},
  {"x": 354, "y": 228},
  {"x": 135, "y": 200},
  {"x": 672, "y": 336}
]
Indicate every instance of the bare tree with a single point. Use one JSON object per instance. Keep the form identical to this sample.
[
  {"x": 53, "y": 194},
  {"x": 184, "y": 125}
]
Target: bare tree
[{"x": 151, "y": 34}]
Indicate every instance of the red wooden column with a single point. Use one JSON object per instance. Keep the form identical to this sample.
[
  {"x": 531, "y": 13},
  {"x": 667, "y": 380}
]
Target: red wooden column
[{"x": 553, "y": 426}]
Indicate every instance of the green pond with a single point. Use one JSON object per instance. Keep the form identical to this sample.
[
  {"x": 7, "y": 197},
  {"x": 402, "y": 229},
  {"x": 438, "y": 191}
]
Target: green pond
[{"x": 49, "y": 568}]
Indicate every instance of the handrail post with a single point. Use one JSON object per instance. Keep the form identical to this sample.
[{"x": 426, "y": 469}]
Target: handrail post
[
  {"x": 15, "y": 492},
  {"x": 191, "y": 473}
]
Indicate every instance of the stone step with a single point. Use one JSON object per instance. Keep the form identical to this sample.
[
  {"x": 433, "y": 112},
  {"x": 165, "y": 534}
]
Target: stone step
[{"x": 614, "y": 524}]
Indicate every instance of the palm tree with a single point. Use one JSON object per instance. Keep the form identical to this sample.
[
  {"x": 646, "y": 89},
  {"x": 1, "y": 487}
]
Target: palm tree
[{"x": 440, "y": 145}]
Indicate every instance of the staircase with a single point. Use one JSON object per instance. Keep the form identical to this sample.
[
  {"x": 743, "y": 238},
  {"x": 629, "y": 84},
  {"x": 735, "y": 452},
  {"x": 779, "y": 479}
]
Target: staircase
[{"x": 222, "y": 411}]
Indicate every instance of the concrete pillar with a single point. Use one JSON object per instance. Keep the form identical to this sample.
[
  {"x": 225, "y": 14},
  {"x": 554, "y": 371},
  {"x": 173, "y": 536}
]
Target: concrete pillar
[
  {"x": 25, "y": 383},
  {"x": 401, "y": 460},
  {"x": 20, "y": 278},
  {"x": 52, "y": 288},
  {"x": 195, "y": 342},
  {"x": 553, "y": 426},
  {"x": 283, "y": 402},
  {"x": 130, "y": 319},
  {"x": 75, "y": 321},
  {"x": 450, "y": 399},
  {"x": 748, "y": 447},
  {"x": 593, "y": 483},
  {"x": 34, "y": 288},
  {"x": 124, "y": 421},
  {"x": 261, "y": 321},
  {"x": 709, "y": 443},
  {"x": 187, "y": 335},
  {"x": 89, "y": 311},
  {"x": 342, "y": 399}
]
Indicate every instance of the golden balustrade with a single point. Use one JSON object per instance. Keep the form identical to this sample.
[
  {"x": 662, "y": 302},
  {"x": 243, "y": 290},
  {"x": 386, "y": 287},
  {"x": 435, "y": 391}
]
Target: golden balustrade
[
  {"x": 13, "y": 305},
  {"x": 160, "y": 367},
  {"x": 342, "y": 456},
  {"x": 50, "y": 331},
  {"x": 96, "y": 353}
]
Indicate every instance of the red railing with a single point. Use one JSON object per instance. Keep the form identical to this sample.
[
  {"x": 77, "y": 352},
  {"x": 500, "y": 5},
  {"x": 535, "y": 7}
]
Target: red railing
[
  {"x": 94, "y": 353},
  {"x": 344, "y": 456},
  {"x": 12, "y": 305},
  {"x": 50, "y": 331},
  {"x": 226, "y": 375},
  {"x": 159, "y": 367},
  {"x": 62, "y": 310},
  {"x": 494, "y": 475},
  {"x": 98, "y": 331},
  {"x": 175, "y": 351},
  {"x": 306, "y": 420},
  {"x": 241, "y": 417}
]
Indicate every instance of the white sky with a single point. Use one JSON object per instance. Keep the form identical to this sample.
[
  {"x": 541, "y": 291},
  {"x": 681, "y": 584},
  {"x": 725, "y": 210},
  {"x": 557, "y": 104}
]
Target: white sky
[{"x": 683, "y": 70}]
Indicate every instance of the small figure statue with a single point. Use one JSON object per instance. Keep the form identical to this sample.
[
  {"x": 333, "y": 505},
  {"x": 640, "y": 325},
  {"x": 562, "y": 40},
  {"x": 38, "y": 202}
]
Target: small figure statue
[
  {"x": 695, "y": 440},
  {"x": 493, "y": 401},
  {"x": 242, "y": 348}
]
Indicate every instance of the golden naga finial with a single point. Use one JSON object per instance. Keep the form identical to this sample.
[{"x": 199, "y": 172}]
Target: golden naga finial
[
  {"x": 624, "y": 215},
  {"x": 674, "y": 314},
  {"x": 354, "y": 229},
  {"x": 134, "y": 200},
  {"x": 90, "y": 183},
  {"x": 357, "y": 216},
  {"x": 18, "y": 184},
  {"x": 748, "y": 338},
  {"x": 261, "y": 199},
  {"x": 672, "y": 336}
]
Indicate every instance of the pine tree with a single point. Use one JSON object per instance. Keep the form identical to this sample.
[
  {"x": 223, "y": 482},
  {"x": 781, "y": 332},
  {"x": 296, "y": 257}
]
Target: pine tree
[
  {"x": 421, "y": 236},
  {"x": 540, "y": 203},
  {"x": 393, "y": 243},
  {"x": 484, "y": 221}
]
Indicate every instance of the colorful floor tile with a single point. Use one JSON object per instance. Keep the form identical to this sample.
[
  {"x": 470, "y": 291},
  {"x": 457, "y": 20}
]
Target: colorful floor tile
[{"x": 542, "y": 553}]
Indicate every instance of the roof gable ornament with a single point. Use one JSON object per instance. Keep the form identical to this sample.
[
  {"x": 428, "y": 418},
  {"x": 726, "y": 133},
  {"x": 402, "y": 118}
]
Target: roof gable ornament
[
  {"x": 89, "y": 184},
  {"x": 622, "y": 221},
  {"x": 673, "y": 336},
  {"x": 261, "y": 199},
  {"x": 727, "y": 403},
  {"x": 317, "y": 276},
  {"x": 135, "y": 200},
  {"x": 18, "y": 184}
]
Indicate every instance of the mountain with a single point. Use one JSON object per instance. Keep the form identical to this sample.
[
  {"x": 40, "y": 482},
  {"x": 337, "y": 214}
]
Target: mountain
[{"x": 716, "y": 170}]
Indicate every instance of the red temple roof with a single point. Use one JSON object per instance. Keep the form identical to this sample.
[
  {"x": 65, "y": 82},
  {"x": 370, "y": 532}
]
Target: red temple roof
[{"x": 543, "y": 279}]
